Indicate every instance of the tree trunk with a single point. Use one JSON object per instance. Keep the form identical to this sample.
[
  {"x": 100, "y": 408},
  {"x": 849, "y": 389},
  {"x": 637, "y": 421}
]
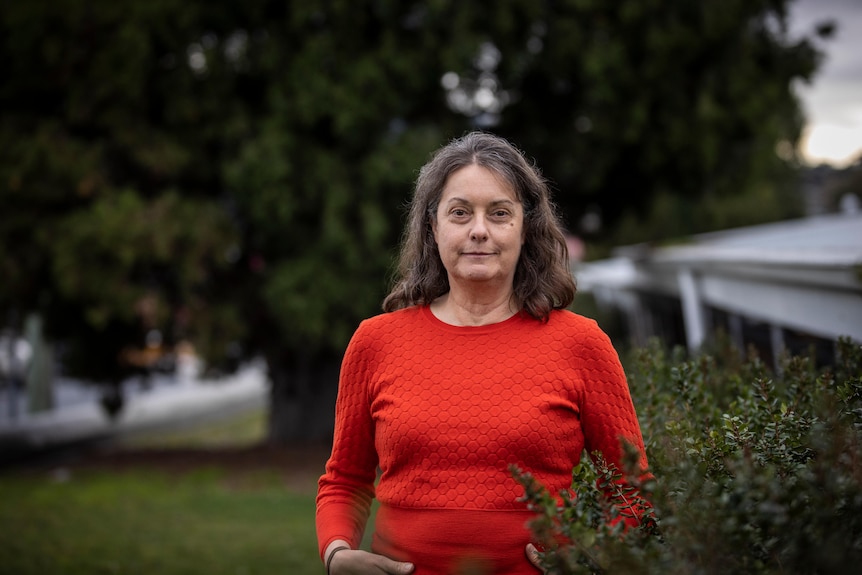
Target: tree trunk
[{"x": 302, "y": 400}]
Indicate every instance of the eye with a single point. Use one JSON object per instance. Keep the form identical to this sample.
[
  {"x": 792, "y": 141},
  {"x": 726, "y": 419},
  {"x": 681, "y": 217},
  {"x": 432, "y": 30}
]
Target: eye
[{"x": 458, "y": 212}]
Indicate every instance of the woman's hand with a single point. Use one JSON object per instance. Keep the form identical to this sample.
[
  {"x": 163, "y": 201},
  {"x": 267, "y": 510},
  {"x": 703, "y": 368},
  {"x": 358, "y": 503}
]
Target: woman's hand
[
  {"x": 533, "y": 556},
  {"x": 357, "y": 562}
]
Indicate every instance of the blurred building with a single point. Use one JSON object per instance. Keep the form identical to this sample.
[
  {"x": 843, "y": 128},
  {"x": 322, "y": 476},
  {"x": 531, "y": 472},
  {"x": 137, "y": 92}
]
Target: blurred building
[{"x": 792, "y": 285}]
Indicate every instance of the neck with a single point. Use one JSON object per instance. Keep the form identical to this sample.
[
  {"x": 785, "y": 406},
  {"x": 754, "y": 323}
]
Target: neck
[{"x": 474, "y": 308}]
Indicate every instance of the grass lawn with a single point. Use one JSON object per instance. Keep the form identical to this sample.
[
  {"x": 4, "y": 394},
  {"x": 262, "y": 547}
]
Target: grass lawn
[
  {"x": 247, "y": 428},
  {"x": 189, "y": 508}
]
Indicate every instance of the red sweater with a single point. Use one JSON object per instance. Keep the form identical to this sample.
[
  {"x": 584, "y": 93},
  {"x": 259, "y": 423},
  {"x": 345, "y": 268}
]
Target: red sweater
[{"x": 443, "y": 411}]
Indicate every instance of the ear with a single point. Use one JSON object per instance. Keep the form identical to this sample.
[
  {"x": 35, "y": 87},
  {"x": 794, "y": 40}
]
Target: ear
[{"x": 433, "y": 221}]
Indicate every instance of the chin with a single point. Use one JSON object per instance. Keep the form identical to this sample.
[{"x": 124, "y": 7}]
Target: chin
[{"x": 481, "y": 275}]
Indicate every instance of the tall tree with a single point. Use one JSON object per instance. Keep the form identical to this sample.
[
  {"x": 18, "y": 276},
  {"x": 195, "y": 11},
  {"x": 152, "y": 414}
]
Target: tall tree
[
  {"x": 234, "y": 174},
  {"x": 109, "y": 227},
  {"x": 645, "y": 98}
]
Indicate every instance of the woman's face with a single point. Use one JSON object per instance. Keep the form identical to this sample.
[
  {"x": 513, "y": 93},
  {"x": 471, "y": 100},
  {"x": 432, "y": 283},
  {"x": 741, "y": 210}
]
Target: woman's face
[{"x": 479, "y": 227}]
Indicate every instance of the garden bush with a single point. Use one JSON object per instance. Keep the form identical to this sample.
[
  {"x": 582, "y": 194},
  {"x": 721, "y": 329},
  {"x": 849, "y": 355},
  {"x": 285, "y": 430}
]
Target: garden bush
[{"x": 756, "y": 471}]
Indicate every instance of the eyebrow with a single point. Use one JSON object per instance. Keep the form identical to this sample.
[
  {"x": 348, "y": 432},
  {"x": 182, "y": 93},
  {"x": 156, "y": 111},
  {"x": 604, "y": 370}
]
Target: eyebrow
[{"x": 457, "y": 200}]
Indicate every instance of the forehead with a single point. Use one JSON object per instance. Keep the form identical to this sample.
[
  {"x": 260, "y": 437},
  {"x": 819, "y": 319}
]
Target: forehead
[{"x": 477, "y": 183}]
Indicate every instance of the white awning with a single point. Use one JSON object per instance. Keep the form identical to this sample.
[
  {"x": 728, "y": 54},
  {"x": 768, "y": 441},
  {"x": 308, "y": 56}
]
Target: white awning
[{"x": 802, "y": 274}]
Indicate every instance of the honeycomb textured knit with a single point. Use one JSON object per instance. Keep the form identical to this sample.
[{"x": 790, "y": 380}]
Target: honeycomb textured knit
[{"x": 442, "y": 411}]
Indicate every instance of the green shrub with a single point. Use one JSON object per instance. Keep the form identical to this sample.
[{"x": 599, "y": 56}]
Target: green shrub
[{"x": 756, "y": 472}]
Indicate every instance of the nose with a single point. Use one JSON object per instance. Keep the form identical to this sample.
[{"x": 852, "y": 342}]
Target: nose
[{"x": 479, "y": 231}]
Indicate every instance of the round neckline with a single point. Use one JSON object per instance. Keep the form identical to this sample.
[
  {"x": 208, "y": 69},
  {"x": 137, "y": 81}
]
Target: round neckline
[{"x": 429, "y": 316}]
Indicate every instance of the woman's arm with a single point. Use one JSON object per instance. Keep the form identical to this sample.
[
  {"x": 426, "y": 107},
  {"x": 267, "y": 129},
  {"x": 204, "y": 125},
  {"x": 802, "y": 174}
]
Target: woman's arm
[
  {"x": 608, "y": 416},
  {"x": 346, "y": 489}
]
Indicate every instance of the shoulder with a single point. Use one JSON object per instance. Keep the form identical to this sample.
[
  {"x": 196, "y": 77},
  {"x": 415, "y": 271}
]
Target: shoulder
[
  {"x": 580, "y": 332},
  {"x": 386, "y": 326},
  {"x": 376, "y": 337},
  {"x": 565, "y": 320},
  {"x": 393, "y": 319}
]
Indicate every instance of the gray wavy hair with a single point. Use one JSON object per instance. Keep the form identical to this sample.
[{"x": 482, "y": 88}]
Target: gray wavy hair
[{"x": 543, "y": 281}]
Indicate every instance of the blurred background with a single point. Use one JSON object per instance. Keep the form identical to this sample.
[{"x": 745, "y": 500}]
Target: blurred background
[
  {"x": 199, "y": 201},
  {"x": 831, "y": 101}
]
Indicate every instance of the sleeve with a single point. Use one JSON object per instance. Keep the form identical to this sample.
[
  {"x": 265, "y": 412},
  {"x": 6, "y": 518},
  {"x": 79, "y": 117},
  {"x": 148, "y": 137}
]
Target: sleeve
[
  {"x": 346, "y": 489},
  {"x": 608, "y": 415}
]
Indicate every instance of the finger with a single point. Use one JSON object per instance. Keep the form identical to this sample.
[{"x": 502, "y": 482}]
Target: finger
[
  {"x": 395, "y": 567},
  {"x": 358, "y": 562},
  {"x": 533, "y": 556}
]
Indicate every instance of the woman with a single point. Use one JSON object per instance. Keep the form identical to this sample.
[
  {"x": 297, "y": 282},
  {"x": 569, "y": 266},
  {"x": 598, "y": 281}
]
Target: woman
[{"x": 475, "y": 366}]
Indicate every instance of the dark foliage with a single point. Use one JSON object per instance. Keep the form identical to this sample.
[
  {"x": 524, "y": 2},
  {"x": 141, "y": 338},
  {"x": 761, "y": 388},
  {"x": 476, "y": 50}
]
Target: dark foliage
[{"x": 756, "y": 472}]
